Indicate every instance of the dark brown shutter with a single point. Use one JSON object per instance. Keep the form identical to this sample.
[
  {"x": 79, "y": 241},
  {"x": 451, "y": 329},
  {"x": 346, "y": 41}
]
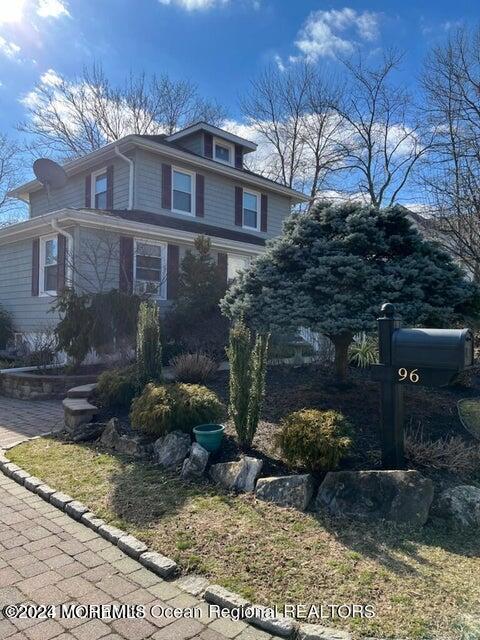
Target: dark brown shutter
[
  {"x": 110, "y": 187},
  {"x": 222, "y": 260},
  {"x": 238, "y": 206},
  {"x": 35, "y": 266},
  {"x": 166, "y": 186},
  {"x": 61, "y": 262},
  {"x": 264, "y": 213},
  {"x": 88, "y": 191},
  {"x": 126, "y": 264},
  {"x": 238, "y": 156},
  {"x": 173, "y": 269},
  {"x": 208, "y": 145},
  {"x": 200, "y": 196}
]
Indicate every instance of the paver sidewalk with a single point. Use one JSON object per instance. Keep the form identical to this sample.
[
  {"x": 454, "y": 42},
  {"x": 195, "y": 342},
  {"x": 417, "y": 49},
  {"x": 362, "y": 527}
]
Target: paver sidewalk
[
  {"x": 48, "y": 558},
  {"x": 22, "y": 419}
]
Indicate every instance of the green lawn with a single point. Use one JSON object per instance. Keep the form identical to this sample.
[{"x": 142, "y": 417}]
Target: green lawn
[{"x": 423, "y": 585}]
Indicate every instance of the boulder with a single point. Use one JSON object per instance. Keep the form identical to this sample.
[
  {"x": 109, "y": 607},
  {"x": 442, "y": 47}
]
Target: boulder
[
  {"x": 194, "y": 466},
  {"x": 87, "y": 432},
  {"x": 403, "y": 497},
  {"x": 287, "y": 491},
  {"x": 460, "y": 505},
  {"x": 237, "y": 476},
  {"x": 171, "y": 450},
  {"x": 121, "y": 439}
]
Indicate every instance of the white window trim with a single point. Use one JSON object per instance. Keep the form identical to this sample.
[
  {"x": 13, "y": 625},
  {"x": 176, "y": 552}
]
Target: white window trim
[
  {"x": 193, "y": 175},
  {"x": 259, "y": 209},
  {"x": 94, "y": 176},
  {"x": 41, "y": 266},
  {"x": 163, "y": 256},
  {"x": 231, "y": 147},
  {"x": 244, "y": 258}
]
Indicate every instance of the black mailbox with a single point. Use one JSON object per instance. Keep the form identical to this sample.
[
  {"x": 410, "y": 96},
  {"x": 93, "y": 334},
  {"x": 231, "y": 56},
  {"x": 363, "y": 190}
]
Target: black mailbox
[
  {"x": 425, "y": 357},
  {"x": 450, "y": 349}
]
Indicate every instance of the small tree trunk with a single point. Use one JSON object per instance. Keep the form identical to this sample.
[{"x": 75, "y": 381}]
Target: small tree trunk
[{"x": 341, "y": 344}]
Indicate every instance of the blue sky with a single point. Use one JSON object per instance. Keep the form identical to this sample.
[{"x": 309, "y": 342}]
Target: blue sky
[{"x": 218, "y": 43}]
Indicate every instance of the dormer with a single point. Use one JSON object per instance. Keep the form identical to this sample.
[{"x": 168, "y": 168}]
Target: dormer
[{"x": 214, "y": 143}]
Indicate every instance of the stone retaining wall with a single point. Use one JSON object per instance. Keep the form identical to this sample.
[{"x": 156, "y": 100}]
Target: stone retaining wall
[{"x": 27, "y": 385}]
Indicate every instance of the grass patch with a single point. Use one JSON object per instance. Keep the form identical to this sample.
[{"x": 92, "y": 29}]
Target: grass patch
[{"x": 424, "y": 585}]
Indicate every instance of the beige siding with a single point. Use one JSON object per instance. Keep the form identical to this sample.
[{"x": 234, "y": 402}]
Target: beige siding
[
  {"x": 193, "y": 142},
  {"x": 30, "y": 313},
  {"x": 219, "y": 195},
  {"x": 73, "y": 193}
]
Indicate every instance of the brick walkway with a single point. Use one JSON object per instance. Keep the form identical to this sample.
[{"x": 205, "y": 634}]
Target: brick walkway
[
  {"x": 21, "y": 419},
  {"x": 48, "y": 558}
]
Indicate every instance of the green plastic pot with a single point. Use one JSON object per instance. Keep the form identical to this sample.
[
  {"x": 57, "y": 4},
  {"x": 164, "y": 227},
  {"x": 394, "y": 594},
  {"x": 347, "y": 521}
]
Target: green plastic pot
[{"x": 209, "y": 436}]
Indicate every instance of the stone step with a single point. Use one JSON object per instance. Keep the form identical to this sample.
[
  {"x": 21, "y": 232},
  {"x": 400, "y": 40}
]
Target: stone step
[
  {"x": 83, "y": 391},
  {"x": 78, "y": 411}
]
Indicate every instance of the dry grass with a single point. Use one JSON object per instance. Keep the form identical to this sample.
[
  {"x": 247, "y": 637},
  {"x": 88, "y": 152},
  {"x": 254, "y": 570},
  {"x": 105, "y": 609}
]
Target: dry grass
[
  {"x": 450, "y": 453},
  {"x": 423, "y": 585},
  {"x": 195, "y": 368}
]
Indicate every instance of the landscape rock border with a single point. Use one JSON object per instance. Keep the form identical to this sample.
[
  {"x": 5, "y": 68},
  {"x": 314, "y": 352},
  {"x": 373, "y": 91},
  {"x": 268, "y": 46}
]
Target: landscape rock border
[{"x": 161, "y": 565}]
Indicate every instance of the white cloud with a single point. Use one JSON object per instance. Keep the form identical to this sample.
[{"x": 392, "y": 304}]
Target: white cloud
[
  {"x": 52, "y": 9},
  {"x": 50, "y": 78},
  {"x": 327, "y": 33},
  {"x": 11, "y": 11},
  {"x": 279, "y": 62},
  {"x": 9, "y": 49},
  {"x": 195, "y": 5}
]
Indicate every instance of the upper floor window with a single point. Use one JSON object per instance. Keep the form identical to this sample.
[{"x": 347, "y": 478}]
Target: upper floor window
[
  {"x": 223, "y": 151},
  {"x": 150, "y": 268},
  {"x": 251, "y": 217},
  {"x": 99, "y": 189},
  {"x": 183, "y": 184},
  {"x": 48, "y": 265}
]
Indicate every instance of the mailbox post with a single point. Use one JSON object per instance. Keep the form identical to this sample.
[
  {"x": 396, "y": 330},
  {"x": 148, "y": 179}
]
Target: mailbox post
[
  {"x": 393, "y": 456},
  {"x": 425, "y": 357}
]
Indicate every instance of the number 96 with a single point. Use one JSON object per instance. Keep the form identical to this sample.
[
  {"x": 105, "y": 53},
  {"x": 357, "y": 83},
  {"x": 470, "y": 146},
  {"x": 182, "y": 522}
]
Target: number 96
[{"x": 404, "y": 374}]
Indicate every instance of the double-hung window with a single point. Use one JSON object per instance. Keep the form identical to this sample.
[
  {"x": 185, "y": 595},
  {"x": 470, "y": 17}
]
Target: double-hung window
[
  {"x": 183, "y": 188},
  {"x": 48, "y": 265},
  {"x": 99, "y": 189},
  {"x": 251, "y": 214},
  {"x": 223, "y": 152},
  {"x": 236, "y": 263},
  {"x": 150, "y": 269}
]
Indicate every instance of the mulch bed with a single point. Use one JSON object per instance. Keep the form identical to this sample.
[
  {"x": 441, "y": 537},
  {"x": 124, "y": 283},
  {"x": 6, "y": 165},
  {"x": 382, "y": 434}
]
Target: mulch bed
[{"x": 431, "y": 410}]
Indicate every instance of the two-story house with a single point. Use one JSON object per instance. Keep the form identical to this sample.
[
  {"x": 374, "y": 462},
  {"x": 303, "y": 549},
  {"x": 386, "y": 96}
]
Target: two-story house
[{"x": 127, "y": 214}]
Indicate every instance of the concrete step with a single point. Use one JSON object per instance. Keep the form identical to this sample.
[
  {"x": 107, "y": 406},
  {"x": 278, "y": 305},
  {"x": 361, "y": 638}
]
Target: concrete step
[
  {"x": 83, "y": 391},
  {"x": 78, "y": 411}
]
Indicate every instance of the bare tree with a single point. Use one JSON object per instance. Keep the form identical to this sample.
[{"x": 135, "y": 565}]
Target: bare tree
[
  {"x": 69, "y": 118},
  {"x": 93, "y": 266},
  {"x": 290, "y": 112},
  {"x": 381, "y": 134},
  {"x": 10, "y": 175},
  {"x": 451, "y": 80}
]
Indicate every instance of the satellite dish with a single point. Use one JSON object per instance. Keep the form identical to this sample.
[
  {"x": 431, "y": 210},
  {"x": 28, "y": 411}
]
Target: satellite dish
[{"x": 49, "y": 173}]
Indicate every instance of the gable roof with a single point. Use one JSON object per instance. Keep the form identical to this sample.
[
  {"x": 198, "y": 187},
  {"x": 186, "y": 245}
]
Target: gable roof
[{"x": 161, "y": 144}]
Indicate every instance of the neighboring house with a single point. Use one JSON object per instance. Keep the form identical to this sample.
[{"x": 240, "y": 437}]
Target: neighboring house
[{"x": 128, "y": 213}]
